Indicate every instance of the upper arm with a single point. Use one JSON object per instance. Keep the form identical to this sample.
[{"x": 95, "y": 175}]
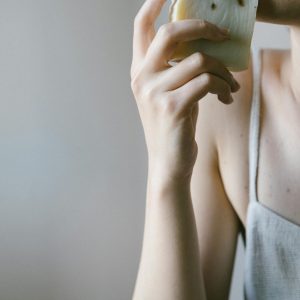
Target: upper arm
[{"x": 217, "y": 222}]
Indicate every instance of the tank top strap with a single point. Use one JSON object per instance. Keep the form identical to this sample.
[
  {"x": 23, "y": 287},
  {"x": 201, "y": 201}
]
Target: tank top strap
[{"x": 254, "y": 129}]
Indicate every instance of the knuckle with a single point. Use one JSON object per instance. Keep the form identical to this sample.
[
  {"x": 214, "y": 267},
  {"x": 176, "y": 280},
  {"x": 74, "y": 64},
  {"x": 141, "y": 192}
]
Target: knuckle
[
  {"x": 148, "y": 92},
  {"x": 138, "y": 20},
  {"x": 135, "y": 85},
  {"x": 206, "y": 79},
  {"x": 132, "y": 72},
  {"x": 137, "y": 78},
  {"x": 166, "y": 30},
  {"x": 198, "y": 59},
  {"x": 169, "y": 105},
  {"x": 135, "y": 82},
  {"x": 203, "y": 23}
]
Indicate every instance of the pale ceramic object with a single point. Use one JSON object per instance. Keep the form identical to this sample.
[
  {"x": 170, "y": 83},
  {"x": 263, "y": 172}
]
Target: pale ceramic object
[{"x": 237, "y": 15}]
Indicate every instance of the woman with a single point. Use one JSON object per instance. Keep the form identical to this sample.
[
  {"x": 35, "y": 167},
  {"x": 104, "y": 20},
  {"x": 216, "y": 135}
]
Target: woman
[{"x": 200, "y": 194}]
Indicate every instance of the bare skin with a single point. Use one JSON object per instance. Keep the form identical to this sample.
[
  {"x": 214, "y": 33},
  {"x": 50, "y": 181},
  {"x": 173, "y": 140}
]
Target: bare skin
[
  {"x": 213, "y": 181},
  {"x": 279, "y": 170},
  {"x": 221, "y": 218}
]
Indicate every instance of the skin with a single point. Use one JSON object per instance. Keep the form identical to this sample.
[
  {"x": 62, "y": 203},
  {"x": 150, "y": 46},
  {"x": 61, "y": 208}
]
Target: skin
[{"x": 197, "y": 191}]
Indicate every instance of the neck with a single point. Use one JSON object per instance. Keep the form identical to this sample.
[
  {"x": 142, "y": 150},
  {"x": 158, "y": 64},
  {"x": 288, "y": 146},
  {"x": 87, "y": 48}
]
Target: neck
[{"x": 294, "y": 70}]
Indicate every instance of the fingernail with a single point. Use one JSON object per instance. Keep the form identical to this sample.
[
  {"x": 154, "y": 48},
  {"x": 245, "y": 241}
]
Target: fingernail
[
  {"x": 237, "y": 85},
  {"x": 225, "y": 99},
  {"x": 230, "y": 99},
  {"x": 225, "y": 30}
]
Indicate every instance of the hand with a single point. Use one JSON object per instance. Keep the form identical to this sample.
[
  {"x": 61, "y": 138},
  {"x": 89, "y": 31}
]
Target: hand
[{"x": 167, "y": 96}]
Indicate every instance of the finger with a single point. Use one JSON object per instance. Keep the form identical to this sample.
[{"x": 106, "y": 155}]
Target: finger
[
  {"x": 198, "y": 87},
  {"x": 192, "y": 66},
  {"x": 170, "y": 34},
  {"x": 144, "y": 30}
]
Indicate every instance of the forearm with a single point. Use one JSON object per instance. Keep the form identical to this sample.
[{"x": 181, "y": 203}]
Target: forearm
[
  {"x": 170, "y": 266},
  {"x": 279, "y": 11}
]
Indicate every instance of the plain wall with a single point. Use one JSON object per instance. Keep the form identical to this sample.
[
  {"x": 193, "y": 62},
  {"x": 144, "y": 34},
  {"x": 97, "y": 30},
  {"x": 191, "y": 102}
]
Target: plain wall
[{"x": 72, "y": 152}]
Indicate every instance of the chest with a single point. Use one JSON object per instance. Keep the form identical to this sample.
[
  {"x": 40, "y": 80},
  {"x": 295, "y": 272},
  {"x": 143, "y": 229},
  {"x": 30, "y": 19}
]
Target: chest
[
  {"x": 278, "y": 173},
  {"x": 278, "y": 179}
]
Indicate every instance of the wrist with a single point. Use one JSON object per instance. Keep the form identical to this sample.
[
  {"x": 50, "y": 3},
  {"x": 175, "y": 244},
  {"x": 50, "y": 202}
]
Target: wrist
[
  {"x": 165, "y": 184},
  {"x": 160, "y": 174},
  {"x": 168, "y": 193}
]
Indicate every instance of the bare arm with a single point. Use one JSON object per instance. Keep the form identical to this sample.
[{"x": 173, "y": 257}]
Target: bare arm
[
  {"x": 216, "y": 219},
  {"x": 175, "y": 223},
  {"x": 170, "y": 266},
  {"x": 167, "y": 98}
]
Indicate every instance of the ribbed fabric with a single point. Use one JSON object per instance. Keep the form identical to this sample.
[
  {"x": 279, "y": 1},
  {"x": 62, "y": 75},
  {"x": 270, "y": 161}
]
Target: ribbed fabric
[{"x": 272, "y": 258}]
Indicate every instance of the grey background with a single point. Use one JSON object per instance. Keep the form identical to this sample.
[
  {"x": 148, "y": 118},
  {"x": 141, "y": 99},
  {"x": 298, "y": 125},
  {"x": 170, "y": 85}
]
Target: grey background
[{"x": 72, "y": 152}]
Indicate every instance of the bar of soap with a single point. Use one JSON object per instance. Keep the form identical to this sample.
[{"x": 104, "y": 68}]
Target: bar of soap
[{"x": 237, "y": 15}]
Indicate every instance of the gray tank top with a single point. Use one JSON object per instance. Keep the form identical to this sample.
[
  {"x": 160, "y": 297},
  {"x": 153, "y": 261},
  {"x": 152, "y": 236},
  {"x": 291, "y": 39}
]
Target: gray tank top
[{"x": 272, "y": 255}]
